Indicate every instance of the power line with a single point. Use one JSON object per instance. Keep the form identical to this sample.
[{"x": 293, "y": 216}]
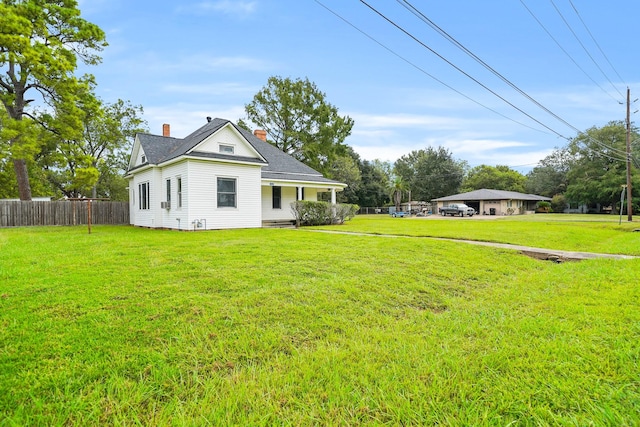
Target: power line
[
  {"x": 595, "y": 41},
  {"x": 565, "y": 52},
  {"x": 473, "y": 79},
  {"x": 461, "y": 70},
  {"x": 585, "y": 49},
  {"x": 450, "y": 38},
  {"x": 422, "y": 70}
]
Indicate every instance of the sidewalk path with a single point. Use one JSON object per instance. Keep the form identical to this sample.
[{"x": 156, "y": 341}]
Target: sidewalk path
[{"x": 539, "y": 253}]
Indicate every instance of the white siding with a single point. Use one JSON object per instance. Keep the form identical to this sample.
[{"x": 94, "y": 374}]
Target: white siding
[
  {"x": 175, "y": 217},
  {"x": 140, "y": 157},
  {"x": 288, "y": 197},
  {"x": 202, "y": 195},
  {"x": 227, "y": 136},
  {"x": 145, "y": 217},
  {"x": 270, "y": 214},
  {"x": 133, "y": 203}
]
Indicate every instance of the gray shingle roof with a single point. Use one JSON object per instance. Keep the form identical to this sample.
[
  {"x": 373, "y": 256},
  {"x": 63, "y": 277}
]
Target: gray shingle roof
[
  {"x": 486, "y": 194},
  {"x": 156, "y": 147},
  {"x": 280, "y": 165}
]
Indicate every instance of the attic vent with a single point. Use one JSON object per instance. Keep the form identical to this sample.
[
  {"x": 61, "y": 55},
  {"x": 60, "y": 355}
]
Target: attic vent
[{"x": 143, "y": 159}]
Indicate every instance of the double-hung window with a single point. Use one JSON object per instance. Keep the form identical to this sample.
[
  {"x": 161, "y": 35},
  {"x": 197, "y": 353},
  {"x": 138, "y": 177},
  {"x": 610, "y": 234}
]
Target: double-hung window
[
  {"x": 169, "y": 192},
  {"x": 144, "y": 196},
  {"x": 226, "y": 192},
  {"x": 179, "y": 185},
  {"x": 276, "y": 197}
]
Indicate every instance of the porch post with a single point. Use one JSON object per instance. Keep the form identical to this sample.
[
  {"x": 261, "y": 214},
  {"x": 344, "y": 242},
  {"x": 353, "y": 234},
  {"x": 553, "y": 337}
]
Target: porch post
[
  {"x": 333, "y": 196},
  {"x": 299, "y": 189}
]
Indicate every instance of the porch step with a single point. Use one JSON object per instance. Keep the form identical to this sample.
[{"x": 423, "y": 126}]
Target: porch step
[{"x": 279, "y": 224}]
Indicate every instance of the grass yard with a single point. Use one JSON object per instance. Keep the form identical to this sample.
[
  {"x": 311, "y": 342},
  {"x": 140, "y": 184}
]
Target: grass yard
[
  {"x": 131, "y": 326},
  {"x": 587, "y": 233}
]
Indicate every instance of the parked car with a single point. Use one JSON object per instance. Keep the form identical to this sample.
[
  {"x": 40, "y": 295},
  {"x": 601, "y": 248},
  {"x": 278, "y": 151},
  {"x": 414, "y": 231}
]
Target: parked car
[{"x": 459, "y": 209}]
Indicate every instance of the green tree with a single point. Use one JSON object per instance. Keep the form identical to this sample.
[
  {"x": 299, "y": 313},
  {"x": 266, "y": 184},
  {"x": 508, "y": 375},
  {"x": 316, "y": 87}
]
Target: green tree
[
  {"x": 398, "y": 187},
  {"x": 599, "y": 168},
  {"x": 40, "y": 43},
  {"x": 374, "y": 184},
  {"x": 93, "y": 163},
  {"x": 346, "y": 169},
  {"x": 550, "y": 176},
  {"x": 430, "y": 173},
  {"x": 299, "y": 121},
  {"x": 8, "y": 182},
  {"x": 495, "y": 178},
  {"x": 558, "y": 203}
]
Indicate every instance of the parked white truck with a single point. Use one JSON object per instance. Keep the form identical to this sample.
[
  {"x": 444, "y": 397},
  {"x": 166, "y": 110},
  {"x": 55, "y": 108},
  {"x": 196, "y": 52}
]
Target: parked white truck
[{"x": 459, "y": 209}]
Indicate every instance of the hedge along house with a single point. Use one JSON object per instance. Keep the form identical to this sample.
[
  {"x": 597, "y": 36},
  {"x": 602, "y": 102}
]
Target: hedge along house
[
  {"x": 220, "y": 176},
  {"x": 495, "y": 202}
]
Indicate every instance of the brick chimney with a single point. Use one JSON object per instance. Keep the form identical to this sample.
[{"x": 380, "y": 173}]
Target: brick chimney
[
  {"x": 166, "y": 130},
  {"x": 262, "y": 134}
]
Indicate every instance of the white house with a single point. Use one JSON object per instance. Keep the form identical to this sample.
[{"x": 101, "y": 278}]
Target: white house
[{"x": 219, "y": 176}]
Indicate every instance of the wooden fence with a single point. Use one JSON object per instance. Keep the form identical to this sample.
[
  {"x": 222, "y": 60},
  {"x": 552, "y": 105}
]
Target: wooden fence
[{"x": 20, "y": 214}]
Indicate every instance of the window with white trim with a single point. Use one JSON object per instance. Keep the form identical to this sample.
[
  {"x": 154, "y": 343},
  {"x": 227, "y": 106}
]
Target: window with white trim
[
  {"x": 144, "y": 196},
  {"x": 276, "y": 197},
  {"x": 179, "y": 189},
  {"x": 226, "y": 192},
  {"x": 169, "y": 191},
  {"x": 226, "y": 149}
]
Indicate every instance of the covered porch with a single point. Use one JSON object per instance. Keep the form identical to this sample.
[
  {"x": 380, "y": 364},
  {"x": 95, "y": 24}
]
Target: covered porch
[{"x": 277, "y": 196}]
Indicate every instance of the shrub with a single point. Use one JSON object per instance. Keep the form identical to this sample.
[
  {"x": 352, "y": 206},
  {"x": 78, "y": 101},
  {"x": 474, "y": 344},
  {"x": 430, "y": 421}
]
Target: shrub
[
  {"x": 343, "y": 212},
  {"x": 558, "y": 203},
  {"x": 543, "y": 207},
  {"x": 309, "y": 212}
]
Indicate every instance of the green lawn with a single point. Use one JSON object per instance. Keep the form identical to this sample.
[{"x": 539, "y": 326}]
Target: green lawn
[
  {"x": 287, "y": 327},
  {"x": 588, "y": 233}
]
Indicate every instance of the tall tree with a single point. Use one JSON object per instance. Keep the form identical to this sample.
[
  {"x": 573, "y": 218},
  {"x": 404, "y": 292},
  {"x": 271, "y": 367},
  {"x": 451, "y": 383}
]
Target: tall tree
[
  {"x": 374, "y": 183},
  {"x": 599, "y": 168},
  {"x": 494, "y": 177},
  {"x": 40, "y": 43},
  {"x": 299, "y": 121},
  {"x": 430, "y": 173},
  {"x": 550, "y": 176},
  {"x": 346, "y": 169},
  {"x": 398, "y": 187},
  {"x": 93, "y": 163}
]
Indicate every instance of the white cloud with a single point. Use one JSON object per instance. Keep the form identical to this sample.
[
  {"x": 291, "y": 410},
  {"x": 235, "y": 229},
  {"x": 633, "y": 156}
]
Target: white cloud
[
  {"x": 377, "y": 121},
  {"x": 520, "y": 161},
  {"x": 476, "y": 146},
  {"x": 185, "y": 118},
  {"x": 199, "y": 62},
  {"x": 216, "y": 89}
]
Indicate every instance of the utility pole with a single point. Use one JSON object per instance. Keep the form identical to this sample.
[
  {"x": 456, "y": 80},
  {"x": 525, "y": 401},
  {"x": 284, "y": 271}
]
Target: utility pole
[{"x": 629, "y": 204}]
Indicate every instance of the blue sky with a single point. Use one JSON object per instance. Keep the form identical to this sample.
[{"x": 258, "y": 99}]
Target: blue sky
[{"x": 183, "y": 61}]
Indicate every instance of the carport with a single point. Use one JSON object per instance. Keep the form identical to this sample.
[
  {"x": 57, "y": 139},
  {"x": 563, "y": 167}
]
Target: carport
[{"x": 495, "y": 202}]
